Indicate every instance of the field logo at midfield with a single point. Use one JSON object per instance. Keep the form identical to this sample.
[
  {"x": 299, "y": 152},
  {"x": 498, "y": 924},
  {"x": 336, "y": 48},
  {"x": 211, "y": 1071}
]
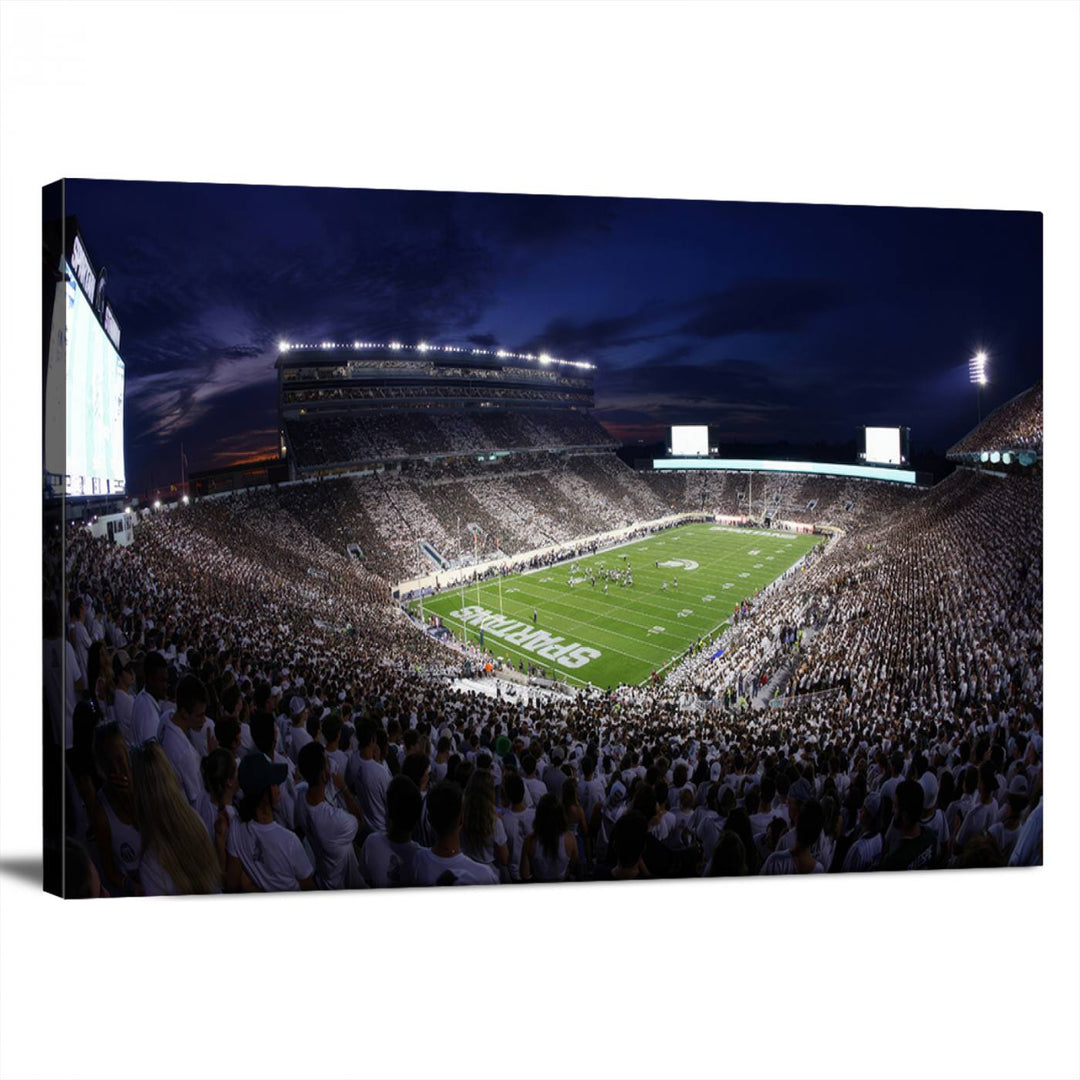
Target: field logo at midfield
[
  {"x": 570, "y": 655},
  {"x": 679, "y": 564}
]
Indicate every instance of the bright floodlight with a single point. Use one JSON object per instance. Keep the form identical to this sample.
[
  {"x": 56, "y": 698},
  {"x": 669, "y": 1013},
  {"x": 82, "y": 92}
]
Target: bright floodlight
[
  {"x": 977, "y": 368},
  {"x": 157, "y": 504},
  {"x": 185, "y": 500},
  {"x": 423, "y": 346},
  {"x": 545, "y": 359},
  {"x": 283, "y": 346}
]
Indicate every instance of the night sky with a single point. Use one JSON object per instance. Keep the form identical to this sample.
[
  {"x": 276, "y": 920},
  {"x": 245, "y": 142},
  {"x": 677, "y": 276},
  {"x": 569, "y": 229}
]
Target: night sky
[{"x": 770, "y": 322}]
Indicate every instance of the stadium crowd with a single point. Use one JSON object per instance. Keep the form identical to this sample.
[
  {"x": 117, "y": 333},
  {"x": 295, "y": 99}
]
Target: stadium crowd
[
  {"x": 1016, "y": 425},
  {"x": 245, "y": 709},
  {"x": 385, "y": 435}
]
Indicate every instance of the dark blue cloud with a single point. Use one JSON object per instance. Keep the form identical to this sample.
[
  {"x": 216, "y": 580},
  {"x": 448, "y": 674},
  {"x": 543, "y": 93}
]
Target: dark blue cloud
[{"x": 765, "y": 306}]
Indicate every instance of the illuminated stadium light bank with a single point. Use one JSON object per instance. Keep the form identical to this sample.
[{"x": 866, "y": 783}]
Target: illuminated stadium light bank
[
  {"x": 1027, "y": 458},
  {"x": 977, "y": 369},
  {"x": 423, "y": 347}
]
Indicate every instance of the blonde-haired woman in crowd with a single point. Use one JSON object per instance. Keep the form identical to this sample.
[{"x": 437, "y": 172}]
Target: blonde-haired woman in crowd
[
  {"x": 177, "y": 855},
  {"x": 483, "y": 836}
]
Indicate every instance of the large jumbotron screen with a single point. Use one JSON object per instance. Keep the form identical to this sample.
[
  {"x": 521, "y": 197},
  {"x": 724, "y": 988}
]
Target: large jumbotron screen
[
  {"x": 690, "y": 441},
  {"x": 884, "y": 446},
  {"x": 95, "y": 402}
]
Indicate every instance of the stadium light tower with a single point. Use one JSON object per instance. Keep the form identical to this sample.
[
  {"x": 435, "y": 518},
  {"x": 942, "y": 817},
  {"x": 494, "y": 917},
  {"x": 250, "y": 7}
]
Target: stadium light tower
[{"x": 977, "y": 375}]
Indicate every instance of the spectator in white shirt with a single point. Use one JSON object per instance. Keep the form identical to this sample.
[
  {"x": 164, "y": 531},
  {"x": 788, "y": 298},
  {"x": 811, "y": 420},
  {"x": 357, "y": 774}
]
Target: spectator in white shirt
[
  {"x": 799, "y": 859},
  {"x": 517, "y": 822},
  {"x": 298, "y": 733},
  {"x": 483, "y": 836},
  {"x": 371, "y": 779},
  {"x": 220, "y": 785},
  {"x": 1027, "y": 851},
  {"x": 386, "y": 859},
  {"x": 1006, "y": 831},
  {"x": 865, "y": 852},
  {"x": 79, "y": 635},
  {"x": 331, "y": 735},
  {"x": 550, "y": 852},
  {"x": 264, "y": 731},
  {"x": 983, "y": 814},
  {"x": 123, "y": 699},
  {"x": 146, "y": 712},
  {"x": 533, "y": 784},
  {"x": 933, "y": 819},
  {"x": 591, "y": 793},
  {"x": 189, "y": 715},
  {"x": 330, "y": 830},
  {"x": 116, "y": 835},
  {"x": 262, "y": 854},
  {"x": 63, "y": 679},
  {"x": 445, "y": 863}
]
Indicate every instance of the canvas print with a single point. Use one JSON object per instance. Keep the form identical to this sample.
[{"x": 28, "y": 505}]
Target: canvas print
[{"x": 410, "y": 538}]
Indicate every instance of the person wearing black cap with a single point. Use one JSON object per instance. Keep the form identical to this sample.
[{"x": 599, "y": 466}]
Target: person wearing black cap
[{"x": 261, "y": 854}]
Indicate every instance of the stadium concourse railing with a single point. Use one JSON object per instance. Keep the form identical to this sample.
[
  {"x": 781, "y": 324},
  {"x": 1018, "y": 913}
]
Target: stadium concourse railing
[
  {"x": 793, "y": 701},
  {"x": 449, "y": 578}
]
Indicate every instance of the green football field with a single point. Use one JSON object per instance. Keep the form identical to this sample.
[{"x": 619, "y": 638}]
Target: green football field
[{"x": 586, "y": 636}]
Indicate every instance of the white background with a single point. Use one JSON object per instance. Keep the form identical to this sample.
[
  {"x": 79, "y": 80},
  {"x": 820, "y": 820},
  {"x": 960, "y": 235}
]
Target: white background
[
  {"x": 883, "y": 445},
  {"x": 965, "y": 105},
  {"x": 690, "y": 441}
]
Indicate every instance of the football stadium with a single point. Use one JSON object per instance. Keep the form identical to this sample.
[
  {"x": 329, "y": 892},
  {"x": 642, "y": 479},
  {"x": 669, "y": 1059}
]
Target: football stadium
[{"x": 449, "y": 635}]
